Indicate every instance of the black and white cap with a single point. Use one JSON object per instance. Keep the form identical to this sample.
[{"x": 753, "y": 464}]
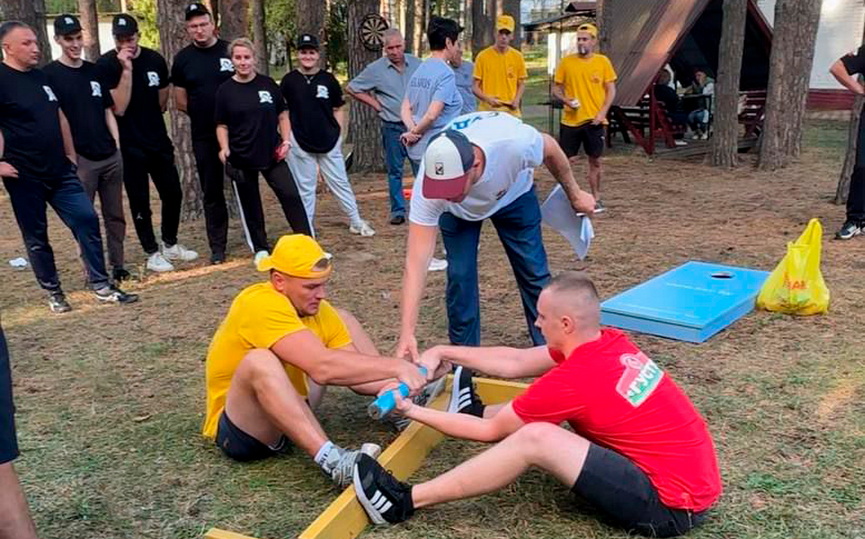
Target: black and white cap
[
  {"x": 307, "y": 41},
  {"x": 66, "y": 24},
  {"x": 447, "y": 161},
  {"x": 196, "y": 9},
  {"x": 124, "y": 25}
]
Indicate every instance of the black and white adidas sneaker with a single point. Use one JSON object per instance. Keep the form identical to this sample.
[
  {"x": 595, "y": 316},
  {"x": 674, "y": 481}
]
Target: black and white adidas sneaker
[
  {"x": 463, "y": 397},
  {"x": 384, "y": 498}
]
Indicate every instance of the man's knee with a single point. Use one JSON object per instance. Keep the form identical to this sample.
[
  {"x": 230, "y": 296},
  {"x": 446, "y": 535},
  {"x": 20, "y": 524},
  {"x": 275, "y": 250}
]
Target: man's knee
[
  {"x": 595, "y": 163},
  {"x": 257, "y": 363},
  {"x": 347, "y": 318}
]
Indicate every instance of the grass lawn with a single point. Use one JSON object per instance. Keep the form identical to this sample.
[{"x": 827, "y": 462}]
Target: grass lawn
[{"x": 110, "y": 399}]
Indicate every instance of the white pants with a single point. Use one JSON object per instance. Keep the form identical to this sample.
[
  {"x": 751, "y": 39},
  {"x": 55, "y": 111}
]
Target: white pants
[{"x": 305, "y": 167}]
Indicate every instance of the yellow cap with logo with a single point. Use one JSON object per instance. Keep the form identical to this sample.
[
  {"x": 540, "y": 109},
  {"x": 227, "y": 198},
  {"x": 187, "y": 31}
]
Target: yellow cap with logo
[
  {"x": 505, "y": 22},
  {"x": 590, "y": 28},
  {"x": 298, "y": 255}
]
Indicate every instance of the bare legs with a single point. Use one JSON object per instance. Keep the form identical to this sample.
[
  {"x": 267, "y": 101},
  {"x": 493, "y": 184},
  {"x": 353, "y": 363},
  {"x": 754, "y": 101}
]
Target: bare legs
[{"x": 15, "y": 522}]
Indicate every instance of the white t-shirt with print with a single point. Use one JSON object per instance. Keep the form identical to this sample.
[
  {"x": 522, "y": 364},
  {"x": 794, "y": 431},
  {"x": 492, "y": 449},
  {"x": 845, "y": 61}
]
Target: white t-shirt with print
[{"x": 512, "y": 150}]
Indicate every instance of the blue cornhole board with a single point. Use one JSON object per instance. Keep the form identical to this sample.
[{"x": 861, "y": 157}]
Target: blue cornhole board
[{"x": 689, "y": 303}]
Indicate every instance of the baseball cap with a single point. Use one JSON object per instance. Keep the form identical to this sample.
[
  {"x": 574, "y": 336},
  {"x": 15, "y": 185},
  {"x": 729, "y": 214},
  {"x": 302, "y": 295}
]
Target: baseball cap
[
  {"x": 124, "y": 25},
  {"x": 447, "y": 161},
  {"x": 590, "y": 28},
  {"x": 505, "y": 22},
  {"x": 196, "y": 9},
  {"x": 298, "y": 255},
  {"x": 307, "y": 41},
  {"x": 66, "y": 24}
]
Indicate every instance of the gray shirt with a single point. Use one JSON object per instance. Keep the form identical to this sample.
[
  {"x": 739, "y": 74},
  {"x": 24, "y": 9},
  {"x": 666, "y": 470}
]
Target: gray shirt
[
  {"x": 433, "y": 81},
  {"x": 382, "y": 79},
  {"x": 465, "y": 79}
]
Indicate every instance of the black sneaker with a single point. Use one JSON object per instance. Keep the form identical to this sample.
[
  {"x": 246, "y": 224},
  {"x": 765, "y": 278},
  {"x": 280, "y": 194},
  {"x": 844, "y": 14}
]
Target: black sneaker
[
  {"x": 848, "y": 230},
  {"x": 464, "y": 400},
  {"x": 112, "y": 294},
  {"x": 57, "y": 302},
  {"x": 383, "y": 497},
  {"x": 217, "y": 258},
  {"x": 397, "y": 219},
  {"x": 120, "y": 274}
]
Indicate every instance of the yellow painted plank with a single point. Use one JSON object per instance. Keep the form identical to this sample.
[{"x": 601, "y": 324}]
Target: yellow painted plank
[{"x": 216, "y": 533}]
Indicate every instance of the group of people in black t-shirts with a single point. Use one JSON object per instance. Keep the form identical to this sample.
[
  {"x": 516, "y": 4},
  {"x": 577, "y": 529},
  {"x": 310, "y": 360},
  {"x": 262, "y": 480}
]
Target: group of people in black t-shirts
[{"x": 75, "y": 128}]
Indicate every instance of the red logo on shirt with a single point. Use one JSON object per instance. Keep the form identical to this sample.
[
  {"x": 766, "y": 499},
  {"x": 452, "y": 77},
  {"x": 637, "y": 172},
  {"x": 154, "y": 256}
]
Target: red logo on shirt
[{"x": 639, "y": 379}]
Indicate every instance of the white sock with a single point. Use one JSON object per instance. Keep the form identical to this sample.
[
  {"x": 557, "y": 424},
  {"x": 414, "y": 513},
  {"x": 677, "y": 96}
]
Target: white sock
[{"x": 321, "y": 456}]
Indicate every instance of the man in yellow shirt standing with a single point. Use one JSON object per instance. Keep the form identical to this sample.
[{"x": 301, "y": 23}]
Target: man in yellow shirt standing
[
  {"x": 586, "y": 83},
  {"x": 278, "y": 347},
  {"x": 500, "y": 72}
]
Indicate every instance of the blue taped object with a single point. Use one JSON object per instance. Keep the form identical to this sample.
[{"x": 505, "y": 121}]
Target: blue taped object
[
  {"x": 689, "y": 303},
  {"x": 386, "y": 402}
]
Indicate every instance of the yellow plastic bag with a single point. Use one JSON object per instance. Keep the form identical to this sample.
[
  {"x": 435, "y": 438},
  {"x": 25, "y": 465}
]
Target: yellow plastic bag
[{"x": 797, "y": 286}]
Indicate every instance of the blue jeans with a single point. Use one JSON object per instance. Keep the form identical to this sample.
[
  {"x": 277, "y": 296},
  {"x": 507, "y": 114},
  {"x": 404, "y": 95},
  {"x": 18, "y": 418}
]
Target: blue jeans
[
  {"x": 519, "y": 228},
  {"x": 30, "y": 198},
  {"x": 394, "y": 157}
]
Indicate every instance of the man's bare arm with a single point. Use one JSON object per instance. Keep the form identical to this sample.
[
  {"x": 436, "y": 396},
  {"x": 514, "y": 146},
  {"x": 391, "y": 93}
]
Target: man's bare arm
[
  {"x": 365, "y": 98},
  {"x": 468, "y": 427},
  {"x": 181, "y": 99},
  {"x": 498, "y": 361},
  {"x": 163, "y": 98},
  {"x": 839, "y": 71},
  {"x": 111, "y": 123},
  {"x": 421, "y": 246},
  {"x": 66, "y": 133},
  {"x": 518, "y": 98},
  {"x": 122, "y": 93},
  {"x": 557, "y": 163},
  {"x": 432, "y": 113}
]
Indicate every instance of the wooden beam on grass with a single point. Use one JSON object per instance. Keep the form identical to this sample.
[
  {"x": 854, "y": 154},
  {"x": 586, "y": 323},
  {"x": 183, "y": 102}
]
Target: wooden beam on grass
[{"x": 345, "y": 518}]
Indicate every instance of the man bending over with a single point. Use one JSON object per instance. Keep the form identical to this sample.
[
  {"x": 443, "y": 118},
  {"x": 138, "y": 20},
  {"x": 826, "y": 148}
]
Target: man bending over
[
  {"x": 639, "y": 450},
  {"x": 274, "y": 352}
]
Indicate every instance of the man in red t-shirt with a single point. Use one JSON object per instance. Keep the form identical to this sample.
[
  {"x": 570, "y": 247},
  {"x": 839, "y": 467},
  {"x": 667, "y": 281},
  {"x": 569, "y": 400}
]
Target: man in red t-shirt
[{"x": 640, "y": 451}]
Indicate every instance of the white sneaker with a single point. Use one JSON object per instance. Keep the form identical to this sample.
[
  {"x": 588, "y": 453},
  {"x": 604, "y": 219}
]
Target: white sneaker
[
  {"x": 437, "y": 264},
  {"x": 362, "y": 228},
  {"x": 178, "y": 252},
  {"x": 340, "y": 462},
  {"x": 258, "y": 256},
  {"x": 157, "y": 262}
]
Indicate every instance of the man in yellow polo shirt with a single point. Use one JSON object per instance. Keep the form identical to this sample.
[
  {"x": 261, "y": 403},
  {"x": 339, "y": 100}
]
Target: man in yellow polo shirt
[
  {"x": 500, "y": 72},
  {"x": 586, "y": 83},
  {"x": 279, "y": 345}
]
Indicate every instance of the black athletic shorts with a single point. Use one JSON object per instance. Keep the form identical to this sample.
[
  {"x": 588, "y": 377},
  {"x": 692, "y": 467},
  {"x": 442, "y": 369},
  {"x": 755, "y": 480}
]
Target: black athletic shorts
[
  {"x": 242, "y": 447},
  {"x": 589, "y": 136},
  {"x": 8, "y": 440},
  {"x": 626, "y": 497}
]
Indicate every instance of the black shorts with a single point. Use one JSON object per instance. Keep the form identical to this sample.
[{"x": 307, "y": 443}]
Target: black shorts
[
  {"x": 242, "y": 447},
  {"x": 586, "y": 135},
  {"x": 8, "y": 440},
  {"x": 626, "y": 497}
]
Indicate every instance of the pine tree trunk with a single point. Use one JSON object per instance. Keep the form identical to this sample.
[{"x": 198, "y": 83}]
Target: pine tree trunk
[
  {"x": 415, "y": 26},
  {"x": 725, "y": 139},
  {"x": 512, "y": 8},
  {"x": 312, "y": 19},
  {"x": 483, "y": 14},
  {"x": 795, "y": 33},
  {"x": 214, "y": 10},
  {"x": 602, "y": 12},
  {"x": 172, "y": 38},
  {"x": 363, "y": 131},
  {"x": 90, "y": 28},
  {"x": 259, "y": 37},
  {"x": 30, "y": 12},
  {"x": 234, "y": 19}
]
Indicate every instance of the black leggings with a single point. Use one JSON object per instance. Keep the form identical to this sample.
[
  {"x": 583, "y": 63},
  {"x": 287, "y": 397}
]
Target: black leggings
[{"x": 252, "y": 213}]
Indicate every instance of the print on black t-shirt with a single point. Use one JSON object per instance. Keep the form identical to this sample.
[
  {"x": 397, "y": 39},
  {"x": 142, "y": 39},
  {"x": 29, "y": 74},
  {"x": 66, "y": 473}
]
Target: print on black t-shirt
[
  {"x": 251, "y": 111},
  {"x": 200, "y": 71},
  {"x": 83, "y": 99},
  {"x": 30, "y": 124},
  {"x": 142, "y": 125},
  {"x": 310, "y": 100}
]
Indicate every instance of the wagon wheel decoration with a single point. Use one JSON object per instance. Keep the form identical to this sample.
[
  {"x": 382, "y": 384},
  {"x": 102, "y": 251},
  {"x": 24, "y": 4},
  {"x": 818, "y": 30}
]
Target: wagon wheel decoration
[{"x": 372, "y": 28}]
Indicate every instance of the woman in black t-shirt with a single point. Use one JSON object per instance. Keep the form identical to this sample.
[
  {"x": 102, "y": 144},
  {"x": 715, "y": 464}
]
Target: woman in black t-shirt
[{"x": 253, "y": 130}]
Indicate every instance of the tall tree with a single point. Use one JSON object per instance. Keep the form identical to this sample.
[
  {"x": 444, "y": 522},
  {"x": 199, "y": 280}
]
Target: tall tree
[
  {"x": 792, "y": 57},
  {"x": 259, "y": 36},
  {"x": 415, "y": 26},
  {"x": 30, "y": 12},
  {"x": 602, "y": 16},
  {"x": 363, "y": 130},
  {"x": 312, "y": 19},
  {"x": 512, "y": 8},
  {"x": 725, "y": 140},
  {"x": 234, "y": 19},
  {"x": 483, "y": 24},
  {"x": 90, "y": 28},
  {"x": 172, "y": 38},
  {"x": 843, "y": 188}
]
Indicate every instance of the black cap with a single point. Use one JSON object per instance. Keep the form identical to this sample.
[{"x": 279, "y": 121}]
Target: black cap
[
  {"x": 307, "y": 41},
  {"x": 196, "y": 9},
  {"x": 124, "y": 25},
  {"x": 66, "y": 24}
]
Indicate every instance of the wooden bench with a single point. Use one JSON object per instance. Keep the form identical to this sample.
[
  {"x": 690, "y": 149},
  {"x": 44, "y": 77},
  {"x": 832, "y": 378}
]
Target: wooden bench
[
  {"x": 753, "y": 110},
  {"x": 647, "y": 121}
]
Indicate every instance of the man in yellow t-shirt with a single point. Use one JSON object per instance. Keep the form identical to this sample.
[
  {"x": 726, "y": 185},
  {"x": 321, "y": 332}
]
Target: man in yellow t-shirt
[
  {"x": 586, "y": 83},
  {"x": 279, "y": 345},
  {"x": 500, "y": 72}
]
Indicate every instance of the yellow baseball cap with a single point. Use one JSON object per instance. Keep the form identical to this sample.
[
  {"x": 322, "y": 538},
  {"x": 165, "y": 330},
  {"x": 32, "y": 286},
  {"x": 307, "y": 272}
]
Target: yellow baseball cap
[
  {"x": 590, "y": 28},
  {"x": 505, "y": 22},
  {"x": 298, "y": 255}
]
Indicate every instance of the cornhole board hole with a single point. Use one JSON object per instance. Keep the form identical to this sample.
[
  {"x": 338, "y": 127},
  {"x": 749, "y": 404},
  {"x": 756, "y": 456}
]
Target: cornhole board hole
[
  {"x": 689, "y": 303},
  {"x": 345, "y": 518}
]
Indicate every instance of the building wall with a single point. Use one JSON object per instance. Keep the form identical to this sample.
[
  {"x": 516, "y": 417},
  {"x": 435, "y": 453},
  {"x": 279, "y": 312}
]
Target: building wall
[{"x": 840, "y": 31}]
